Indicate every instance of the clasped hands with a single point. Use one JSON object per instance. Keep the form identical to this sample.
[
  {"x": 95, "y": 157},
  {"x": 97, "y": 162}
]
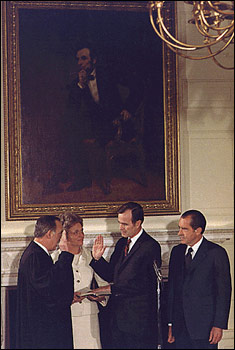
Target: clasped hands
[{"x": 78, "y": 299}]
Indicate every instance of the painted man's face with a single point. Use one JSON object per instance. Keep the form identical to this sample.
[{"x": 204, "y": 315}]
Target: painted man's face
[{"x": 84, "y": 60}]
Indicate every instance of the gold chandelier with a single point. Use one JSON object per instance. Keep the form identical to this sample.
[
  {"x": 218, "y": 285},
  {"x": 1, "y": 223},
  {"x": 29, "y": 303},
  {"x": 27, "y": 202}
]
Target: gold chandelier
[{"x": 214, "y": 20}]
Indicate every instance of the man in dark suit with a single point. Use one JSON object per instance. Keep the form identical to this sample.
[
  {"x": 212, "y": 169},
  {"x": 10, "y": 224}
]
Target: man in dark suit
[
  {"x": 45, "y": 290},
  {"x": 94, "y": 104},
  {"x": 133, "y": 301},
  {"x": 199, "y": 287}
]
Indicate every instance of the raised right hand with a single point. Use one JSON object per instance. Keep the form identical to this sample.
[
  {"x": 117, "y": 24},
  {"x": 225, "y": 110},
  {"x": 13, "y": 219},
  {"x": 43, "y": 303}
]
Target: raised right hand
[
  {"x": 98, "y": 248},
  {"x": 65, "y": 245}
]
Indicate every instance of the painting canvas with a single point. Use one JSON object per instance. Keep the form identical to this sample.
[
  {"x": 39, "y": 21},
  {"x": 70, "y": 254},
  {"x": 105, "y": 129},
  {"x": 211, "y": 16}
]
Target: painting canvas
[{"x": 42, "y": 40}]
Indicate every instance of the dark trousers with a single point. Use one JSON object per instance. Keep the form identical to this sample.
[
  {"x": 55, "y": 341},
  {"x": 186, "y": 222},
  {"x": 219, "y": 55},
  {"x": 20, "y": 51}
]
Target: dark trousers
[
  {"x": 125, "y": 340},
  {"x": 183, "y": 341}
]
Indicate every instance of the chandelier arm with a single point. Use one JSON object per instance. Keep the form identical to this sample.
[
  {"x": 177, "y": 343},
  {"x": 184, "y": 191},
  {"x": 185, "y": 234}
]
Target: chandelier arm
[
  {"x": 226, "y": 45},
  {"x": 224, "y": 28},
  {"x": 204, "y": 19},
  {"x": 218, "y": 10},
  {"x": 167, "y": 41},
  {"x": 202, "y": 57},
  {"x": 218, "y": 63},
  {"x": 211, "y": 26},
  {"x": 229, "y": 33},
  {"x": 184, "y": 46},
  {"x": 208, "y": 20},
  {"x": 222, "y": 36},
  {"x": 162, "y": 25},
  {"x": 203, "y": 32}
]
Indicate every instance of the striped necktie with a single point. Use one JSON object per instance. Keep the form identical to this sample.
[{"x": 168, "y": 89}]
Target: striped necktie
[{"x": 127, "y": 247}]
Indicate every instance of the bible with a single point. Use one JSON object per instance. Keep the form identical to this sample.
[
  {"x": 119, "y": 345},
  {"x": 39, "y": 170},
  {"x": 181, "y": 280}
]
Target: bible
[{"x": 90, "y": 292}]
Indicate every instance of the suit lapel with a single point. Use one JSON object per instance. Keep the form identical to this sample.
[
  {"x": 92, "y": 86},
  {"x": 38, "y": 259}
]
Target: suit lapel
[
  {"x": 181, "y": 261},
  {"x": 199, "y": 256},
  {"x": 123, "y": 261},
  {"x": 132, "y": 251},
  {"x": 119, "y": 260}
]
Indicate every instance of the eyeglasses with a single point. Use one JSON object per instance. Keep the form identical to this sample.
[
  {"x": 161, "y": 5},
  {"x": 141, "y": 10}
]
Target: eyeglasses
[{"x": 76, "y": 232}]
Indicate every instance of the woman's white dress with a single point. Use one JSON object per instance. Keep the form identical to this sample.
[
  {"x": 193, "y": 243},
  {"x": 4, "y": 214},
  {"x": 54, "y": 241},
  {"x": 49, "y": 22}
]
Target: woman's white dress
[{"x": 85, "y": 321}]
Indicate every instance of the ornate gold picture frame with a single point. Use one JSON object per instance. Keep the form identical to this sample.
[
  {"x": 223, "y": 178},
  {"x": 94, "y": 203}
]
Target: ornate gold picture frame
[{"x": 39, "y": 65}]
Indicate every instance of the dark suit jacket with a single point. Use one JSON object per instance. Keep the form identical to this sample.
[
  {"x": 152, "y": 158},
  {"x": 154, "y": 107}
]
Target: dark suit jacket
[
  {"x": 86, "y": 119},
  {"x": 133, "y": 299},
  {"x": 44, "y": 296},
  {"x": 202, "y": 296}
]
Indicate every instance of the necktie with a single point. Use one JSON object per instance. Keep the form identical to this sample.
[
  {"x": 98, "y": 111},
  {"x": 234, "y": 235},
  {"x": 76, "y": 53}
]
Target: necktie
[
  {"x": 127, "y": 247},
  {"x": 188, "y": 258}
]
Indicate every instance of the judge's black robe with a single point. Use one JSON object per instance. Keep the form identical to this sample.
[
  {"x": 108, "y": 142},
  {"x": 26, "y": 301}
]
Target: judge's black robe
[{"x": 44, "y": 295}]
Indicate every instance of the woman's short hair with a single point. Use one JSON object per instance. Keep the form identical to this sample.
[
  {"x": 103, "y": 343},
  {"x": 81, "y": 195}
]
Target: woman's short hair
[{"x": 68, "y": 219}]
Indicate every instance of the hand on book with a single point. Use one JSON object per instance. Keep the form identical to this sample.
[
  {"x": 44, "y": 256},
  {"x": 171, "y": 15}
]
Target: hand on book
[
  {"x": 101, "y": 291},
  {"x": 77, "y": 298},
  {"x": 96, "y": 298}
]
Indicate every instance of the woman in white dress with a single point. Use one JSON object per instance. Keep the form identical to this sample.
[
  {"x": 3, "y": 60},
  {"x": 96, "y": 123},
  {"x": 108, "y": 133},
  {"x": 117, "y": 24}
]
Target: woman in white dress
[{"x": 85, "y": 321}]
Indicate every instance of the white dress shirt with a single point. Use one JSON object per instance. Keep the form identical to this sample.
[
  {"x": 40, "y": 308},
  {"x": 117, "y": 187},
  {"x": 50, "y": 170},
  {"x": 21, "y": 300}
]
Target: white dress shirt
[
  {"x": 92, "y": 84},
  {"x": 194, "y": 247},
  {"x": 134, "y": 239}
]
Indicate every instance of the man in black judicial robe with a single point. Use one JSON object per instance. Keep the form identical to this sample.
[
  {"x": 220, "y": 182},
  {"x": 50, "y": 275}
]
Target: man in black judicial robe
[{"x": 45, "y": 290}]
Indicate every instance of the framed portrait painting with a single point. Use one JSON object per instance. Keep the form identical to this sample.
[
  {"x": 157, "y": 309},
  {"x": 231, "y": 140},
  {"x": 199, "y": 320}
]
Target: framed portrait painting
[{"x": 88, "y": 146}]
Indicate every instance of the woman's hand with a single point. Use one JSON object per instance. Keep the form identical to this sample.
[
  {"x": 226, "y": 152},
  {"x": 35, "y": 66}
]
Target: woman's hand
[{"x": 77, "y": 298}]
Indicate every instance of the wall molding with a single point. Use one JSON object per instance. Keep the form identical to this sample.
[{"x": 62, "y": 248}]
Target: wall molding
[{"x": 13, "y": 247}]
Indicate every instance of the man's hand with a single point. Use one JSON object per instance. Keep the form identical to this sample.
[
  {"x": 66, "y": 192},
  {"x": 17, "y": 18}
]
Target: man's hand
[
  {"x": 125, "y": 114},
  {"x": 98, "y": 248},
  {"x": 82, "y": 78},
  {"x": 105, "y": 289},
  {"x": 215, "y": 335},
  {"x": 171, "y": 338},
  {"x": 98, "y": 298},
  {"x": 65, "y": 245}
]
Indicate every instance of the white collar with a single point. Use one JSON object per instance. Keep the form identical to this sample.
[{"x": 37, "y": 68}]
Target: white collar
[
  {"x": 42, "y": 246},
  {"x": 195, "y": 247},
  {"x": 93, "y": 72},
  {"x": 134, "y": 239}
]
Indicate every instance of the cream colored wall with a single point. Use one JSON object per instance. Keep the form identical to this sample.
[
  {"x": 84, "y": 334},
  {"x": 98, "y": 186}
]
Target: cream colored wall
[
  {"x": 206, "y": 110},
  {"x": 206, "y": 155}
]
